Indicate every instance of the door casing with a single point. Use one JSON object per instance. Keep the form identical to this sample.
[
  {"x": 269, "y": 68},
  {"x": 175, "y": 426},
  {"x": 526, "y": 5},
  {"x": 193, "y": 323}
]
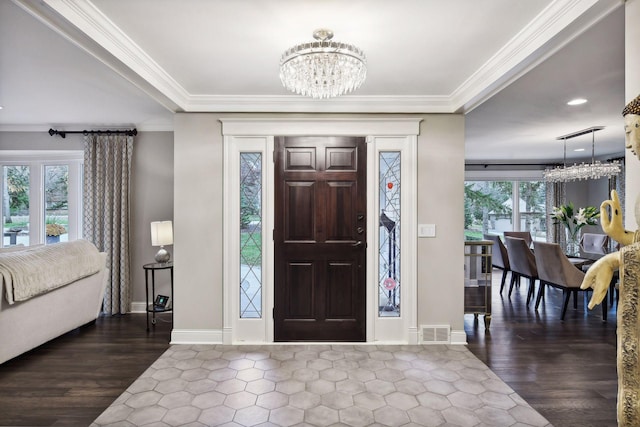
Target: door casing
[{"x": 257, "y": 135}]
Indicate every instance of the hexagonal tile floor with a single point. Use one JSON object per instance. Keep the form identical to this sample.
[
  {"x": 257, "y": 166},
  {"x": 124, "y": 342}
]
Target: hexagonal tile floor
[{"x": 319, "y": 385}]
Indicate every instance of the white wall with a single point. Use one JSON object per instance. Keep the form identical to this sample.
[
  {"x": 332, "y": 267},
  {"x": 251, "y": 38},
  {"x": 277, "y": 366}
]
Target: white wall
[
  {"x": 198, "y": 208},
  {"x": 38, "y": 141},
  {"x": 198, "y": 211},
  {"x": 441, "y": 202},
  {"x": 151, "y": 200}
]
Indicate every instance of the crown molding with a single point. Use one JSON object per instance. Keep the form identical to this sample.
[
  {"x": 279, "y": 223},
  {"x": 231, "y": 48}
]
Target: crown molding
[
  {"x": 90, "y": 20},
  {"x": 69, "y": 31},
  {"x": 299, "y": 104},
  {"x": 556, "y": 26},
  {"x": 543, "y": 36}
]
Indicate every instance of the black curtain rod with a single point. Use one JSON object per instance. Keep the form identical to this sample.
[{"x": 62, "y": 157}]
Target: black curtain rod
[{"x": 63, "y": 133}]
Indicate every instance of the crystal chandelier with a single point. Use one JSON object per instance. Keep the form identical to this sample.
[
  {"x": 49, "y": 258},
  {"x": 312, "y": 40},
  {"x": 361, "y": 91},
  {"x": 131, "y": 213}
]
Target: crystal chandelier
[
  {"x": 324, "y": 68},
  {"x": 593, "y": 170}
]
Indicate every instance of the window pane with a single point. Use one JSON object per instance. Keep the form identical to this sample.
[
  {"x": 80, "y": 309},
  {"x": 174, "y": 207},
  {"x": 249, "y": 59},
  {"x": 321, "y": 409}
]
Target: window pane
[
  {"x": 389, "y": 250},
  {"x": 15, "y": 205},
  {"x": 532, "y": 209},
  {"x": 56, "y": 203},
  {"x": 250, "y": 235},
  {"x": 488, "y": 208}
]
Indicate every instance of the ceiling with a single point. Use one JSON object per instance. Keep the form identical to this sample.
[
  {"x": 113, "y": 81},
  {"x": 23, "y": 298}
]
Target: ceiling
[{"x": 510, "y": 67}]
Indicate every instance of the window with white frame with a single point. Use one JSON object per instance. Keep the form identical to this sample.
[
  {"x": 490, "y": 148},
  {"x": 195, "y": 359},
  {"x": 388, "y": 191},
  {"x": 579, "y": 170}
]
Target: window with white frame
[
  {"x": 41, "y": 197},
  {"x": 496, "y": 206}
]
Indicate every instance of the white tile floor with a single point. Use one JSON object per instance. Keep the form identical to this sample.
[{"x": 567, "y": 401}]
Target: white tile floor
[{"x": 319, "y": 385}]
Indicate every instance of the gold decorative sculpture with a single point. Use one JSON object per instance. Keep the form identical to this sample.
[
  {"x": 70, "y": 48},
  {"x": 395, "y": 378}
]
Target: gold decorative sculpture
[{"x": 627, "y": 261}]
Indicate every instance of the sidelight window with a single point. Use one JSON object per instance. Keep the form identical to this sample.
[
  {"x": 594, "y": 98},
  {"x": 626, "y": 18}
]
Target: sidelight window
[
  {"x": 250, "y": 235},
  {"x": 389, "y": 228}
]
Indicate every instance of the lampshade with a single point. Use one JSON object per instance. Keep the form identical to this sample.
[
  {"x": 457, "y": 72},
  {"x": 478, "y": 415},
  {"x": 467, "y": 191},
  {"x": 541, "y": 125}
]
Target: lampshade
[
  {"x": 324, "y": 68},
  {"x": 161, "y": 233}
]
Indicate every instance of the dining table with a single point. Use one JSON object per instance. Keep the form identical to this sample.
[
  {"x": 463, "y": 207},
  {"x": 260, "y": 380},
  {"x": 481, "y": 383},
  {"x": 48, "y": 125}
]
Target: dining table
[{"x": 585, "y": 256}]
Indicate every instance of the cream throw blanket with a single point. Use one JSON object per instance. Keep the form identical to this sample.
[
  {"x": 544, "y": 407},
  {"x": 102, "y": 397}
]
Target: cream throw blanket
[{"x": 34, "y": 271}]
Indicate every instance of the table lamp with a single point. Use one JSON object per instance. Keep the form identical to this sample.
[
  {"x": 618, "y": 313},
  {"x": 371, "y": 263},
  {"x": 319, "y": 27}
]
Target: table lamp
[{"x": 162, "y": 234}]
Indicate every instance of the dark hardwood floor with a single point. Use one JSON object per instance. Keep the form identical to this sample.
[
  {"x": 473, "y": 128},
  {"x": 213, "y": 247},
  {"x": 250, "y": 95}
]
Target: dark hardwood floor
[
  {"x": 71, "y": 380},
  {"x": 565, "y": 370}
]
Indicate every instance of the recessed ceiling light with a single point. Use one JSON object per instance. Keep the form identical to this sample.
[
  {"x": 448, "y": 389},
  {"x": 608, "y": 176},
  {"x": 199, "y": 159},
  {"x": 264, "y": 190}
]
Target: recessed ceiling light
[
  {"x": 579, "y": 149},
  {"x": 577, "y": 101}
]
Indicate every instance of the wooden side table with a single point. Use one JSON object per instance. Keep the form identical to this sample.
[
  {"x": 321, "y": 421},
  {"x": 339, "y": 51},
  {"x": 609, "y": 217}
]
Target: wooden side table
[{"x": 150, "y": 269}]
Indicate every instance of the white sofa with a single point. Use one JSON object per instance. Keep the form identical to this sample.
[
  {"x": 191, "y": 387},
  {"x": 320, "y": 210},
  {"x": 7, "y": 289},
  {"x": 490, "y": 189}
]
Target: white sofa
[{"x": 25, "y": 325}]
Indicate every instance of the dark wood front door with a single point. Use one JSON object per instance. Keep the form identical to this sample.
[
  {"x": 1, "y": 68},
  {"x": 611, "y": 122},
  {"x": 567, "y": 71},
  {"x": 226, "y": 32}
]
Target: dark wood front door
[{"x": 320, "y": 239}]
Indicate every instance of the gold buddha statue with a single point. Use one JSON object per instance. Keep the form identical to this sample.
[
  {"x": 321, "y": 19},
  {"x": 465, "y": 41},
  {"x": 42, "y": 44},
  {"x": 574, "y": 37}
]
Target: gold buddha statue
[{"x": 627, "y": 261}]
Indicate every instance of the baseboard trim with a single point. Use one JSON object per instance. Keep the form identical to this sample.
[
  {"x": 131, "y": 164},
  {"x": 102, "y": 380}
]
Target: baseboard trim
[
  {"x": 458, "y": 337},
  {"x": 223, "y": 336},
  {"x": 138, "y": 307},
  {"x": 196, "y": 336},
  {"x": 414, "y": 336}
]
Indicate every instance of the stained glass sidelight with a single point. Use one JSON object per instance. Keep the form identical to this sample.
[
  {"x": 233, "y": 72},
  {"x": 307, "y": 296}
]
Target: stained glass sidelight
[
  {"x": 389, "y": 250},
  {"x": 250, "y": 235}
]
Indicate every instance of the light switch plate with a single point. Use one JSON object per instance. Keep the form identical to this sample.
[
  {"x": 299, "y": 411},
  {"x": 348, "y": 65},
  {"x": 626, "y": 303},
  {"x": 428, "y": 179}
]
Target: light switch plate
[{"x": 426, "y": 230}]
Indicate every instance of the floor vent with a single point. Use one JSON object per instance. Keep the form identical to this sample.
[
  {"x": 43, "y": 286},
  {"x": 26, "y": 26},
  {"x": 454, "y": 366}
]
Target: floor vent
[{"x": 435, "y": 334}]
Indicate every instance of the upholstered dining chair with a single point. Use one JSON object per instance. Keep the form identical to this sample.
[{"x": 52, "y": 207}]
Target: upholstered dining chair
[
  {"x": 555, "y": 269},
  {"x": 499, "y": 257},
  {"x": 523, "y": 264},
  {"x": 592, "y": 242},
  {"x": 520, "y": 235}
]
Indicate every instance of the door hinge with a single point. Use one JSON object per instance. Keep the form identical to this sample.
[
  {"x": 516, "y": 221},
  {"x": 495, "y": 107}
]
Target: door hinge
[
  {"x": 273, "y": 313},
  {"x": 273, "y": 234}
]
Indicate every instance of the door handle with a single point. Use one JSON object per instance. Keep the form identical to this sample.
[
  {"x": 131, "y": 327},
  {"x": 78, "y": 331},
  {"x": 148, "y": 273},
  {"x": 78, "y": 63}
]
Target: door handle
[{"x": 357, "y": 244}]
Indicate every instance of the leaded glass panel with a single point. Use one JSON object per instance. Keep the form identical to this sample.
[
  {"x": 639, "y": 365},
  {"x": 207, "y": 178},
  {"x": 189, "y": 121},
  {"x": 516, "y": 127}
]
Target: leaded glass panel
[
  {"x": 250, "y": 235},
  {"x": 389, "y": 250}
]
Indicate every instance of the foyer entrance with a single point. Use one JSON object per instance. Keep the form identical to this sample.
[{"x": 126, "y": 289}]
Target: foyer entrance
[{"x": 350, "y": 293}]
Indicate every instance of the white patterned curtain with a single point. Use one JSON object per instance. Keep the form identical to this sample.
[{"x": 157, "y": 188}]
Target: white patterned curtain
[
  {"x": 556, "y": 195},
  {"x": 107, "y": 166}
]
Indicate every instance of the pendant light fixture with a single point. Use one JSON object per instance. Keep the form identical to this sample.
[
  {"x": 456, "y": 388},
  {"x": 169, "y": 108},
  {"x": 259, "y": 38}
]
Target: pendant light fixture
[
  {"x": 323, "y": 68},
  {"x": 593, "y": 170}
]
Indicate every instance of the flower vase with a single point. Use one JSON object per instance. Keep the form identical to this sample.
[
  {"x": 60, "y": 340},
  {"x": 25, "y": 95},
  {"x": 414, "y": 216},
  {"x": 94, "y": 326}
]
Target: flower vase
[{"x": 573, "y": 241}]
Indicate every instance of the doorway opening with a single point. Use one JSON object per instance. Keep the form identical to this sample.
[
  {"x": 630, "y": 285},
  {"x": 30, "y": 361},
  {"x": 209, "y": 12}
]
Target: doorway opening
[{"x": 365, "y": 280}]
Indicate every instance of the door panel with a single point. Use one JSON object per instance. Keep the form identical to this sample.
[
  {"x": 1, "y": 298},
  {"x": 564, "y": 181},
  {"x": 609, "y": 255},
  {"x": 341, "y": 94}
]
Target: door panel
[
  {"x": 341, "y": 197},
  {"x": 299, "y": 224},
  {"x": 341, "y": 278},
  {"x": 300, "y": 297},
  {"x": 320, "y": 239}
]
